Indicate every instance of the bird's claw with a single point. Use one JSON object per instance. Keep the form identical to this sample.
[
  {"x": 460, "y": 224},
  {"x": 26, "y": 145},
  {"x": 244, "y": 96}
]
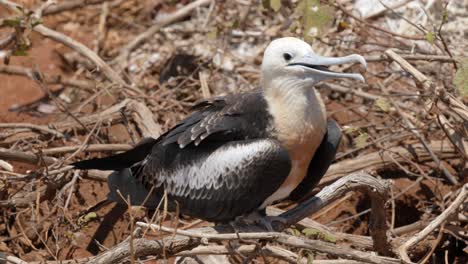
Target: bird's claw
[{"x": 265, "y": 221}]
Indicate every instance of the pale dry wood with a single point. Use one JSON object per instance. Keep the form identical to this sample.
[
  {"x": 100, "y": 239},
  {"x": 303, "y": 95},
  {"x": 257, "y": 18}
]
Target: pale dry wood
[
  {"x": 6, "y": 166},
  {"x": 203, "y": 76},
  {"x": 40, "y": 128},
  {"x": 410, "y": 57},
  {"x": 428, "y": 85},
  {"x": 379, "y": 159},
  {"x": 285, "y": 239},
  {"x": 363, "y": 242},
  {"x": 383, "y": 9},
  {"x": 83, "y": 50},
  {"x": 27, "y": 72},
  {"x": 110, "y": 115},
  {"x": 14, "y": 155},
  {"x": 143, "y": 117},
  {"x": 268, "y": 251},
  {"x": 69, "y": 42},
  {"x": 70, "y": 5},
  {"x": 102, "y": 27},
  {"x": 359, "y": 181},
  {"x": 166, "y": 20},
  {"x": 87, "y": 148},
  {"x": 439, "y": 220},
  {"x": 421, "y": 78},
  {"x": 186, "y": 240},
  {"x": 458, "y": 140}
]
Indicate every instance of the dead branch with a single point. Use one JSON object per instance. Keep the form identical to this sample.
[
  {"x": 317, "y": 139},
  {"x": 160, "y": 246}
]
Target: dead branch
[
  {"x": 31, "y": 158},
  {"x": 70, "y": 5},
  {"x": 27, "y": 72},
  {"x": 174, "y": 17},
  {"x": 403, "y": 249},
  {"x": 421, "y": 78},
  {"x": 110, "y": 115},
  {"x": 83, "y": 50},
  {"x": 33, "y": 127},
  {"x": 143, "y": 117},
  {"x": 73, "y": 44},
  {"x": 379, "y": 159},
  {"x": 410, "y": 57},
  {"x": 191, "y": 238},
  {"x": 363, "y": 242},
  {"x": 87, "y": 148},
  {"x": 427, "y": 85}
]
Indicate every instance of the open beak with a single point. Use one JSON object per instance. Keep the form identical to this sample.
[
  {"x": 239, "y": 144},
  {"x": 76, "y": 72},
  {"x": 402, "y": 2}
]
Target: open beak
[{"x": 319, "y": 64}]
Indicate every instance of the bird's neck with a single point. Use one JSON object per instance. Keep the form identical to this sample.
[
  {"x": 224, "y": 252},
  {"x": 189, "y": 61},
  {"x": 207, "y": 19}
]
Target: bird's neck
[{"x": 298, "y": 112}]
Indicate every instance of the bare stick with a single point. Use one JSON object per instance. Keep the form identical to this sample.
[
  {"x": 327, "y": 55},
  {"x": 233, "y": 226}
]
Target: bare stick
[
  {"x": 282, "y": 238},
  {"x": 421, "y": 78},
  {"x": 144, "y": 119},
  {"x": 83, "y": 50},
  {"x": 87, "y": 148},
  {"x": 176, "y": 16},
  {"x": 27, "y": 72},
  {"x": 186, "y": 240},
  {"x": 403, "y": 249},
  {"x": 110, "y": 115},
  {"x": 363, "y": 242},
  {"x": 423, "y": 57},
  {"x": 69, "y": 5},
  {"x": 377, "y": 191},
  {"x": 33, "y": 127},
  {"x": 427, "y": 85},
  {"x": 73, "y": 44},
  {"x": 379, "y": 159},
  {"x": 15, "y": 155}
]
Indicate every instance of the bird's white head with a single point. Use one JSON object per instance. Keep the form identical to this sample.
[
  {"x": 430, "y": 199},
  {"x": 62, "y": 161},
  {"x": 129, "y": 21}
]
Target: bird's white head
[{"x": 292, "y": 62}]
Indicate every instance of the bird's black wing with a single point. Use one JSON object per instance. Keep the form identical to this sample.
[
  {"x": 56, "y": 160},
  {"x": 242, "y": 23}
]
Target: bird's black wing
[
  {"x": 232, "y": 117},
  {"x": 217, "y": 181},
  {"x": 220, "y": 119},
  {"x": 318, "y": 166}
]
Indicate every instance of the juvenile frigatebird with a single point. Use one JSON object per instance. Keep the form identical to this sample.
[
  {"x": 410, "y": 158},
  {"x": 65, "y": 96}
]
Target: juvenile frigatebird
[{"x": 237, "y": 154}]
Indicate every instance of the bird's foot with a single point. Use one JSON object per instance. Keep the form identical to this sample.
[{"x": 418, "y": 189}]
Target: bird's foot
[
  {"x": 255, "y": 218},
  {"x": 267, "y": 222}
]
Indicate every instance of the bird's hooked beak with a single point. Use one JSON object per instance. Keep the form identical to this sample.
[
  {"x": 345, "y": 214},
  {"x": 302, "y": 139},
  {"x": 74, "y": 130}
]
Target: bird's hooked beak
[{"x": 318, "y": 65}]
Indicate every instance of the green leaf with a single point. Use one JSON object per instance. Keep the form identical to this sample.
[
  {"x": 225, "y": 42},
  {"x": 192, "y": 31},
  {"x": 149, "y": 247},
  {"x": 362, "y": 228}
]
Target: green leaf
[
  {"x": 20, "y": 53},
  {"x": 212, "y": 34},
  {"x": 293, "y": 231},
  {"x": 329, "y": 238},
  {"x": 12, "y": 22},
  {"x": 430, "y": 37},
  {"x": 350, "y": 129},
  {"x": 383, "y": 104},
  {"x": 461, "y": 78},
  {"x": 311, "y": 232},
  {"x": 275, "y": 5},
  {"x": 445, "y": 16},
  {"x": 84, "y": 219},
  {"x": 317, "y": 234},
  {"x": 361, "y": 140}
]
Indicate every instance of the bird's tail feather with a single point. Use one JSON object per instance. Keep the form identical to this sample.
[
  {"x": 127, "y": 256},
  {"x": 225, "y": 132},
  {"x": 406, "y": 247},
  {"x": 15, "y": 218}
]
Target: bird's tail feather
[{"x": 119, "y": 161}]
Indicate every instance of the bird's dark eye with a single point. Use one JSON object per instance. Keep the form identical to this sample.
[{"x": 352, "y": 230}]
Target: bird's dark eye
[{"x": 287, "y": 56}]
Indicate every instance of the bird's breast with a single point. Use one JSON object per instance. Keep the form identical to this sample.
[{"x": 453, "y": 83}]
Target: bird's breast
[{"x": 300, "y": 127}]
